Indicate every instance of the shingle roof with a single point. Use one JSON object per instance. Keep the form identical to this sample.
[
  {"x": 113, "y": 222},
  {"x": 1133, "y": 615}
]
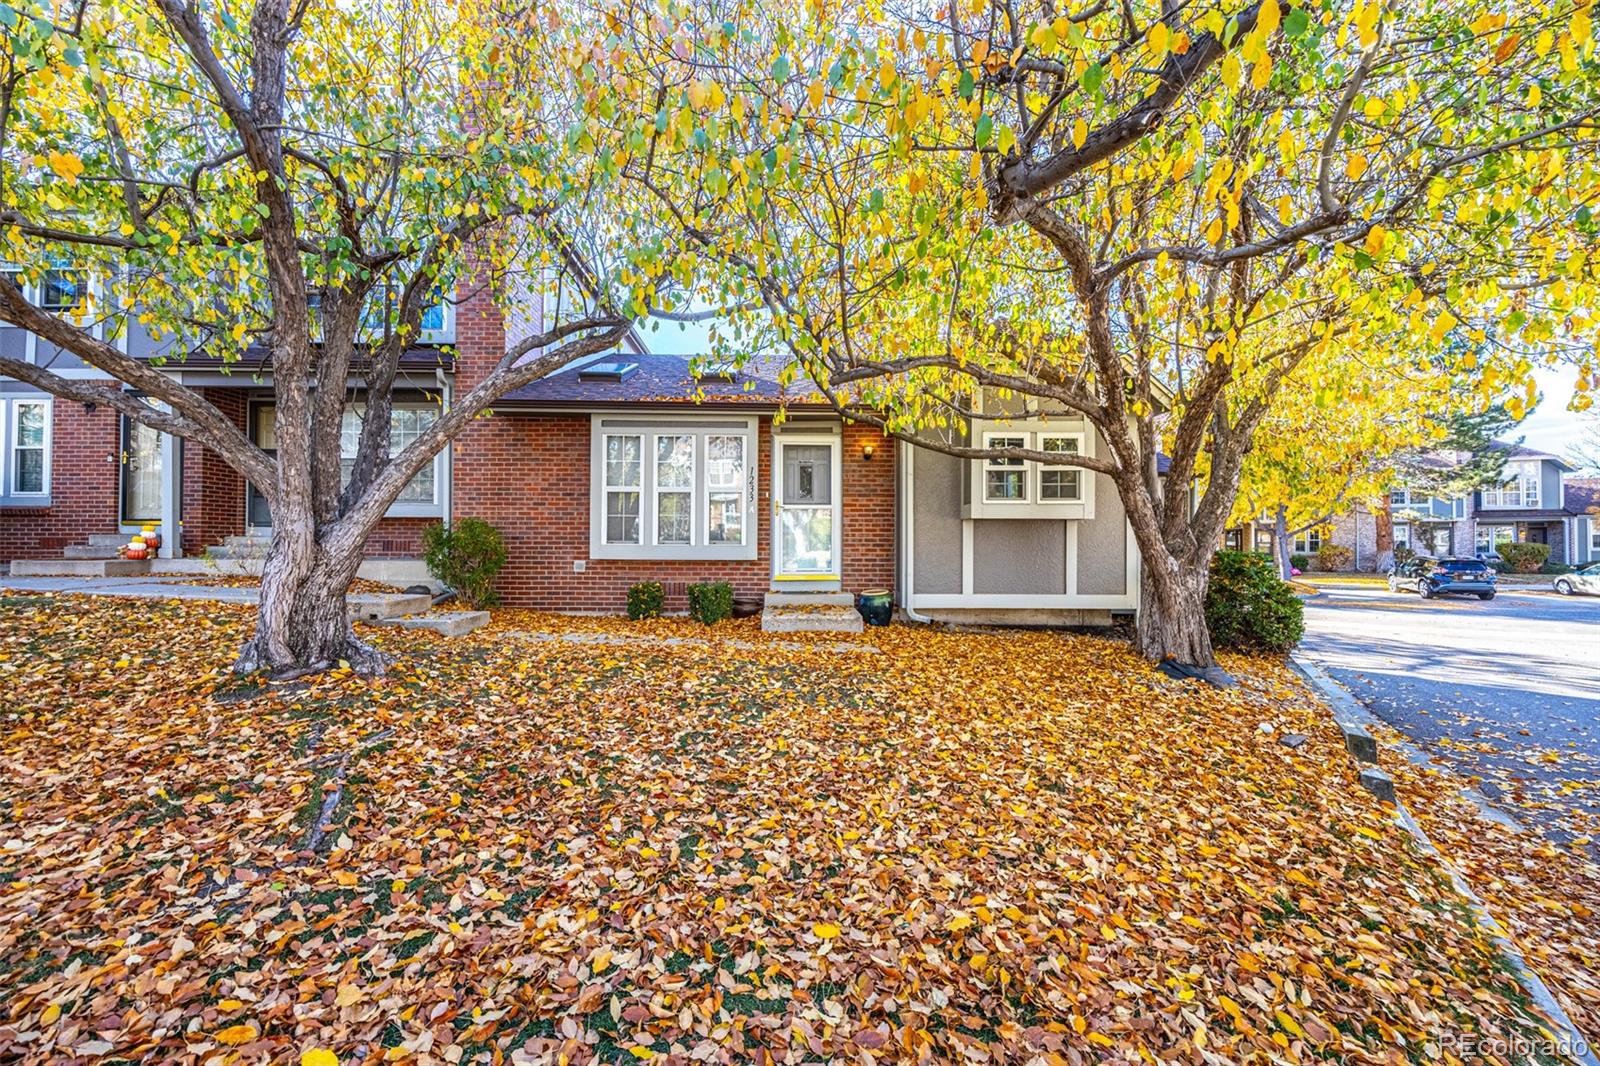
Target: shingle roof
[
  {"x": 257, "y": 357},
  {"x": 1582, "y": 495},
  {"x": 1520, "y": 451},
  {"x": 661, "y": 380}
]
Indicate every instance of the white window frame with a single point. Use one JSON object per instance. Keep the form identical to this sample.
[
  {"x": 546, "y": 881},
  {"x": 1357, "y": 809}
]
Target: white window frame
[
  {"x": 32, "y": 291},
  {"x": 607, "y": 487},
  {"x": 1007, "y": 466},
  {"x": 10, "y": 421},
  {"x": 1303, "y": 542},
  {"x": 405, "y": 508},
  {"x": 700, "y": 427},
  {"x": 1046, "y": 468},
  {"x": 1032, "y": 432},
  {"x": 1594, "y": 538},
  {"x": 697, "y": 485},
  {"x": 1402, "y": 534},
  {"x": 1513, "y": 493},
  {"x": 725, "y": 490},
  {"x": 1399, "y": 498}
]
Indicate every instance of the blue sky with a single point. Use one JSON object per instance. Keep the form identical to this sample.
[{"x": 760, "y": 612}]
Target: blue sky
[{"x": 1552, "y": 428}]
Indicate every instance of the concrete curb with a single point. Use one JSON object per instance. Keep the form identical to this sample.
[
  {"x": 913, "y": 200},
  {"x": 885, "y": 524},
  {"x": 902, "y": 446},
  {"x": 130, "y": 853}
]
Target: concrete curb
[{"x": 1351, "y": 715}]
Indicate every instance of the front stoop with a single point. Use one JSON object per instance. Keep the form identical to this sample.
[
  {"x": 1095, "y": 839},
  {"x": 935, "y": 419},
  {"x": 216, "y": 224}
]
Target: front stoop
[
  {"x": 240, "y": 547},
  {"x": 811, "y": 612},
  {"x": 80, "y": 567}
]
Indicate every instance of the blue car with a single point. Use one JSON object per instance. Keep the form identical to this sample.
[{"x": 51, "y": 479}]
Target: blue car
[{"x": 1444, "y": 577}]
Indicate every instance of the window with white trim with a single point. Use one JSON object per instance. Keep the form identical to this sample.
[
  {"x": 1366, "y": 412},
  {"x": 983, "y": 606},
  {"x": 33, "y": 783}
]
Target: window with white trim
[
  {"x": 673, "y": 489},
  {"x": 407, "y": 422},
  {"x": 1522, "y": 490},
  {"x": 1308, "y": 543},
  {"x": 63, "y": 289},
  {"x": 1060, "y": 484},
  {"x": 725, "y": 472},
  {"x": 24, "y": 450},
  {"x": 1402, "y": 535},
  {"x": 1594, "y": 536},
  {"x": 624, "y": 485},
  {"x": 674, "y": 482},
  {"x": 1004, "y": 480}
]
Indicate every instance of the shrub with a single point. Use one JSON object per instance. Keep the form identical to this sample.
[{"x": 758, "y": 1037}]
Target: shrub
[
  {"x": 710, "y": 601},
  {"x": 466, "y": 556},
  {"x": 1300, "y": 562},
  {"x": 1523, "y": 558},
  {"x": 1248, "y": 608},
  {"x": 646, "y": 599},
  {"x": 1334, "y": 557},
  {"x": 1403, "y": 554}
]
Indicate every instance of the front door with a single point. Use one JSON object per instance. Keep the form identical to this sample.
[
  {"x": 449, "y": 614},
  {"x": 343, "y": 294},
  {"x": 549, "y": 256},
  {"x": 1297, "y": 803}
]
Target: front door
[
  {"x": 264, "y": 432},
  {"x": 808, "y": 509},
  {"x": 141, "y": 474}
]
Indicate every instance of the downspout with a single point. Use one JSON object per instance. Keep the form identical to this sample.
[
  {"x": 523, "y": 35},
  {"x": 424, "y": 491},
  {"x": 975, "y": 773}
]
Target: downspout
[{"x": 907, "y": 539}]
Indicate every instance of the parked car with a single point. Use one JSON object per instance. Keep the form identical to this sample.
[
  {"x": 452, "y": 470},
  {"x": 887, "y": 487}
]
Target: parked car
[
  {"x": 1439, "y": 577},
  {"x": 1583, "y": 579}
]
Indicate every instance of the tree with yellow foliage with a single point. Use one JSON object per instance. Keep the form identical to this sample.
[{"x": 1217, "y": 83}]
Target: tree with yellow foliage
[
  {"x": 311, "y": 178},
  {"x": 1159, "y": 217}
]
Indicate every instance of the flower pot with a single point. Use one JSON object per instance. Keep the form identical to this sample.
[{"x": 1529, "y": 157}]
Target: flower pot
[
  {"x": 876, "y": 606},
  {"x": 747, "y": 606}
]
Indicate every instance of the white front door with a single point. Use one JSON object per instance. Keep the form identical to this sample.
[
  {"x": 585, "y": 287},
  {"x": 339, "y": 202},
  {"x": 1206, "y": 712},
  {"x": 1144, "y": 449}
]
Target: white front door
[{"x": 807, "y": 519}]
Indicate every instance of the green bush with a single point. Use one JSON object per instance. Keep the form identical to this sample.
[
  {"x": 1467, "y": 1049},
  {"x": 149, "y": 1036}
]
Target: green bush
[
  {"x": 710, "y": 601},
  {"x": 1523, "y": 558},
  {"x": 1248, "y": 608},
  {"x": 1332, "y": 557},
  {"x": 1300, "y": 562},
  {"x": 466, "y": 556},
  {"x": 646, "y": 599}
]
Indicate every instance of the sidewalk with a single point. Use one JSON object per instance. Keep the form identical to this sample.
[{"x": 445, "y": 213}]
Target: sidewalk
[{"x": 144, "y": 587}]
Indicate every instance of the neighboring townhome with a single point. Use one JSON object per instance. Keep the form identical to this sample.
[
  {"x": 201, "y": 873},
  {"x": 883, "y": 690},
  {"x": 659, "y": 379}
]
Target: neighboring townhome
[
  {"x": 633, "y": 466},
  {"x": 1531, "y": 506}
]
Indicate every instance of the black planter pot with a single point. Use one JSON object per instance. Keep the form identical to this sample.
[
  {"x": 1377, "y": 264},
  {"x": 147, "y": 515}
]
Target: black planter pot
[{"x": 876, "y": 606}]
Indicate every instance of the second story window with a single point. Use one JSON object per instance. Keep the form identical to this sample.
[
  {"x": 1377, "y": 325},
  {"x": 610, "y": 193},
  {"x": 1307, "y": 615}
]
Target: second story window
[
  {"x": 63, "y": 289},
  {"x": 1004, "y": 480}
]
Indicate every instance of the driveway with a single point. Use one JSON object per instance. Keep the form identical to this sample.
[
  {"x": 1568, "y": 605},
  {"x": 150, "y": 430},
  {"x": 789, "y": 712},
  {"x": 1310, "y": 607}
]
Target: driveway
[{"x": 1507, "y": 691}]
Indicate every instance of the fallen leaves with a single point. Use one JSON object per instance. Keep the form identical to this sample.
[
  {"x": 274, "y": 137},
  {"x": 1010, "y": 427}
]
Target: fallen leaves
[{"x": 971, "y": 846}]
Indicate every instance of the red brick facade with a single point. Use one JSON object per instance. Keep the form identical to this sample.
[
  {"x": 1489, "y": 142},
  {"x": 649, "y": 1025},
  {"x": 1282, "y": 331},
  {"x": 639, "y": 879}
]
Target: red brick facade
[
  {"x": 528, "y": 473},
  {"x": 84, "y": 482}
]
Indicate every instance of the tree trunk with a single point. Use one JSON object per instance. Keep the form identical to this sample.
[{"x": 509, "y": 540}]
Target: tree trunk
[
  {"x": 1383, "y": 534},
  {"x": 1280, "y": 543},
  {"x": 1172, "y": 614},
  {"x": 303, "y": 625}
]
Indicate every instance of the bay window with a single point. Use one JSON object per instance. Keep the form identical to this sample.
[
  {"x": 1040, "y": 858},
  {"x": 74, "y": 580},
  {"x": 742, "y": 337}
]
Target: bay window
[
  {"x": 1028, "y": 489},
  {"x": 672, "y": 488}
]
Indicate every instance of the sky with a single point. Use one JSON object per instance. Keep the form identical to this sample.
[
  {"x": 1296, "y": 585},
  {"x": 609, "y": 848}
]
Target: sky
[{"x": 1552, "y": 428}]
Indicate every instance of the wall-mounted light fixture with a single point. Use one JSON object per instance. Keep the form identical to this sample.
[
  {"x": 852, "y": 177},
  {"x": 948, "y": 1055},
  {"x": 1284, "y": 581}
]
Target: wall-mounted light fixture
[{"x": 867, "y": 451}]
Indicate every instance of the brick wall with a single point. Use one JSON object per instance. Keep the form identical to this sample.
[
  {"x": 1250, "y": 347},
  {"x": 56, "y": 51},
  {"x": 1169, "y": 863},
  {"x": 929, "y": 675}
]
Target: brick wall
[
  {"x": 868, "y": 555},
  {"x": 213, "y": 492},
  {"x": 84, "y": 482}
]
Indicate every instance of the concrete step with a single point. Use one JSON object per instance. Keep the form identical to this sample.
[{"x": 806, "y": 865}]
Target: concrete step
[
  {"x": 238, "y": 551},
  {"x": 92, "y": 551},
  {"x": 248, "y": 540},
  {"x": 819, "y": 618},
  {"x": 381, "y": 606},
  {"x": 445, "y": 623},
  {"x": 778, "y": 598},
  {"x": 80, "y": 567},
  {"x": 108, "y": 540}
]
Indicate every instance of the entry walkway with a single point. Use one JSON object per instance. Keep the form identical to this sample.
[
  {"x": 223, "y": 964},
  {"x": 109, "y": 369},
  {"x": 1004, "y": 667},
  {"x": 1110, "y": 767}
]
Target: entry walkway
[{"x": 144, "y": 587}]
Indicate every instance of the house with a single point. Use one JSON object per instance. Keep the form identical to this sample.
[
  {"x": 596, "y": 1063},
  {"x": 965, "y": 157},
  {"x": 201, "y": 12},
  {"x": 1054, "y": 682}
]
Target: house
[
  {"x": 632, "y": 466},
  {"x": 1539, "y": 502},
  {"x": 1537, "y": 505}
]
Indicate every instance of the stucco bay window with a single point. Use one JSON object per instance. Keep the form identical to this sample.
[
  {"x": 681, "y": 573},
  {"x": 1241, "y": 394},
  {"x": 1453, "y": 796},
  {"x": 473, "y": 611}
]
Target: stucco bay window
[
  {"x": 672, "y": 488},
  {"x": 1017, "y": 488}
]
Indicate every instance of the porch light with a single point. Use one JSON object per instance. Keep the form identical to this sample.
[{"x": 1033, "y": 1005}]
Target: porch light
[{"x": 867, "y": 451}]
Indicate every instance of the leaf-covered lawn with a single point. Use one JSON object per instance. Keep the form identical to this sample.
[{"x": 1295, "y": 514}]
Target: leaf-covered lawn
[{"x": 993, "y": 847}]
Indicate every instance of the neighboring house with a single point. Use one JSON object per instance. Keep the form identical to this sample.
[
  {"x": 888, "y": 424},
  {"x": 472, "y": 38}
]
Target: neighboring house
[
  {"x": 1538, "y": 502},
  {"x": 624, "y": 469},
  {"x": 1533, "y": 505}
]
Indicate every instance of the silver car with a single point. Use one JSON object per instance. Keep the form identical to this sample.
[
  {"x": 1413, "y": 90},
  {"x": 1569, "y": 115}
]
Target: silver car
[{"x": 1584, "y": 579}]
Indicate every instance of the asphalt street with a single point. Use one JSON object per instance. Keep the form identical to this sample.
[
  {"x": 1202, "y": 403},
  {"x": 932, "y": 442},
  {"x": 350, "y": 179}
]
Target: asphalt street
[{"x": 1506, "y": 691}]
